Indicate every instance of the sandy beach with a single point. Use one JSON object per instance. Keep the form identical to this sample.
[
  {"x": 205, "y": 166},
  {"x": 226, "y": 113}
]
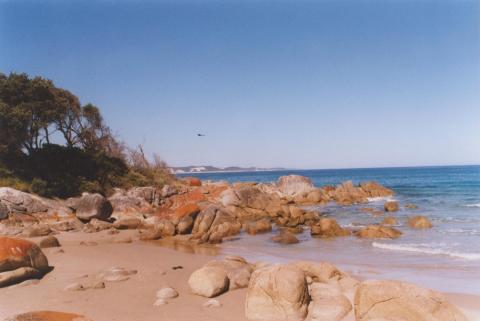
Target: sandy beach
[{"x": 133, "y": 299}]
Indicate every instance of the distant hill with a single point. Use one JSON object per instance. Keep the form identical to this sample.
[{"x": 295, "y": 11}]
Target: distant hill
[{"x": 211, "y": 169}]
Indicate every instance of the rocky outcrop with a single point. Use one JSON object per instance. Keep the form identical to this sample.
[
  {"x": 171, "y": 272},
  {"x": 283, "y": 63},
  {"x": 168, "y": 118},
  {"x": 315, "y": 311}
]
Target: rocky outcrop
[
  {"x": 92, "y": 206},
  {"x": 20, "y": 260},
  {"x": 277, "y": 293},
  {"x": 346, "y": 193},
  {"x": 391, "y": 206},
  {"x": 215, "y": 223},
  {"x": 209, "y": 281},
  {"x": 48, "y": 316},
  {"x": 294, "y": 185},
  {"x": 395, "y": 300},
  {"x": 379, "y": 231},
  {"x": 328, "y": 227},
  {"x": 419, "y": 222}
]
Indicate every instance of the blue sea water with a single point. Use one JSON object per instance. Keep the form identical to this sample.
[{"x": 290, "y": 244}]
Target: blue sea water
[{"x": 446, "y": 257}]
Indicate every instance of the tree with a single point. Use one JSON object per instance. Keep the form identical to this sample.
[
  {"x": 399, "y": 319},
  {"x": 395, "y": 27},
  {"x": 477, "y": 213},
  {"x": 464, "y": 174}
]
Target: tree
[{"x": 32, "y": 110}]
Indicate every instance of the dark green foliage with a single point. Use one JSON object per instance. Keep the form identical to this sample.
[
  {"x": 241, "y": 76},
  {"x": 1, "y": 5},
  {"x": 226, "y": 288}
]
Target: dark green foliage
[
  {"x": 55, "y": 170},
  {"x": 32, "y": 112}
]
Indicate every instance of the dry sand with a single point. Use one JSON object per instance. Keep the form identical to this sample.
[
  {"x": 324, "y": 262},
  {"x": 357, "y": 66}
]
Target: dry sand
[{"x": 133, "y": 299}]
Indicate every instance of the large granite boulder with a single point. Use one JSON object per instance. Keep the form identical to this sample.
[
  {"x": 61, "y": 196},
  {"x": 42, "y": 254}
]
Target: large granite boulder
[
  {"x": 214, "y": 223},
  {"x": 47, "y": 316},
  {"x": 395, "y": 300},
  {"x": 293, "y": 185},
  {"x": 21, "y": 202},
  {"x": 93, "y": 206},
  {"x": 328, "y": 303},
  {"x": 419, "y": 222},
  {"x": 277, "y": 293},
  {"x": 238, "y": 270},
  {"x": 328, "y": 227},
  {"x": 20, "y": 260},
  {"x": 209, "y": 281}
]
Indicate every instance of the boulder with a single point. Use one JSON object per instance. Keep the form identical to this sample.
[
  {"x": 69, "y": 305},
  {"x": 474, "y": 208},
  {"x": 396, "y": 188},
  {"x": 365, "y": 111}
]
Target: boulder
[
  {"x": 316, "y": 196},
  {"x": 395, "y": 300},
  {"x": 373, "y": 189},
  {"x": 20, "y": 260},
  {"x": 391, "y": 206},
  {"x": 209, "y": 281},
  {"x": 238, "y": 270},
  {"x": 328, "y": 303},
  {"x": 213, "y": 224},
  {"x": 49, "y": 241},
  {"x": 419, "y": 222},
  {"x": 47, "y": 316},
  {"x": 3, "y": 211},
  {"x": 379, "y": 231},
  {"x": 389, "y": 220},
  {"x": 18, "y": 201},
  {"x": 277, "y": 293},
  {"x": 260, "y": 226},
  {"x": 411, "y": 206},
  {"x": 96, "y": 225},
  {"x": 293, "y": 185},
  {"x": 192, "y": 181},
  {"x": 37, "y": 230},
  {"x": 146, "y": 193},
  {"x": 285, "y": 237},
  {"x": 346, "y": 194},
  {"x": 129, "y": 223},
  {"x": 320, "y": 271},
  {"x": 168, "y": 190},
  {"x": 93, "y": 206},
  {"x": 328, "y": 227}
]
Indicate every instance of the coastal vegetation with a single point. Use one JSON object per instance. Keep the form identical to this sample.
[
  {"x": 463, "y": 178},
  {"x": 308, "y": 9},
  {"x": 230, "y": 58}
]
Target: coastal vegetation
[{"x": 52, "y": 145}]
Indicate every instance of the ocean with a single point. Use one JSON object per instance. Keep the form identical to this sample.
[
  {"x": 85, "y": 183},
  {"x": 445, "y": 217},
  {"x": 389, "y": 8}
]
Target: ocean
[{"x": 446, "y": 257}]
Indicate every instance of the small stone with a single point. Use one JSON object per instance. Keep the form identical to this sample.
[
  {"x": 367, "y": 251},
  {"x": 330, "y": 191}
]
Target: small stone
[
  {"x": 88, "y": 243},
  {"x": 74, "y": 287},
  {"x": 167, "y": 293},
  {"x": 49, "y": 241},
  {"x": 212, "y": 303},
  {"x": 160, "y": 302},
  {"x": 99, "y": 285}
]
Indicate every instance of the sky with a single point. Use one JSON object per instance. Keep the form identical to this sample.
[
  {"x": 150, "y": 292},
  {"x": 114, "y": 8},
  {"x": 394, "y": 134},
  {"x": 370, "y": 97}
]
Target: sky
[{"x": 297, "y": 84}]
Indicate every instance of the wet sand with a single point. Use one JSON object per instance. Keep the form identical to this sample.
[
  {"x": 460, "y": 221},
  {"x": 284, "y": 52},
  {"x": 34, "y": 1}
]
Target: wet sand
[{"x": 133, "y": 299}]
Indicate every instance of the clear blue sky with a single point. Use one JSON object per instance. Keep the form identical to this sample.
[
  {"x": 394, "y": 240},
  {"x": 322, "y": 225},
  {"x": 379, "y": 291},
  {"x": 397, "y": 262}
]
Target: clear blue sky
[{"x": 304, "y": 84}]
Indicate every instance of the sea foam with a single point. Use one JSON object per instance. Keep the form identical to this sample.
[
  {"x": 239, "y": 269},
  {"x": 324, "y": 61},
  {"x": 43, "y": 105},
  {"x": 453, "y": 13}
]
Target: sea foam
[
  {"x": 426, "y": 250},
  {"x": 472, "y": 205}
]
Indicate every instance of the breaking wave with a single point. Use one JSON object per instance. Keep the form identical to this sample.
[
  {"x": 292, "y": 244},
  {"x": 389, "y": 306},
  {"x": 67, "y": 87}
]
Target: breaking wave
[{"x": 416, "y": 248}]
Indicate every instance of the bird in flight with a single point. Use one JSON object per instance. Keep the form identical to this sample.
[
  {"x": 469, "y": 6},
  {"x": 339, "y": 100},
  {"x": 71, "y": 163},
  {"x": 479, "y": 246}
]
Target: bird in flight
[{"x": 200, "y": 135}]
